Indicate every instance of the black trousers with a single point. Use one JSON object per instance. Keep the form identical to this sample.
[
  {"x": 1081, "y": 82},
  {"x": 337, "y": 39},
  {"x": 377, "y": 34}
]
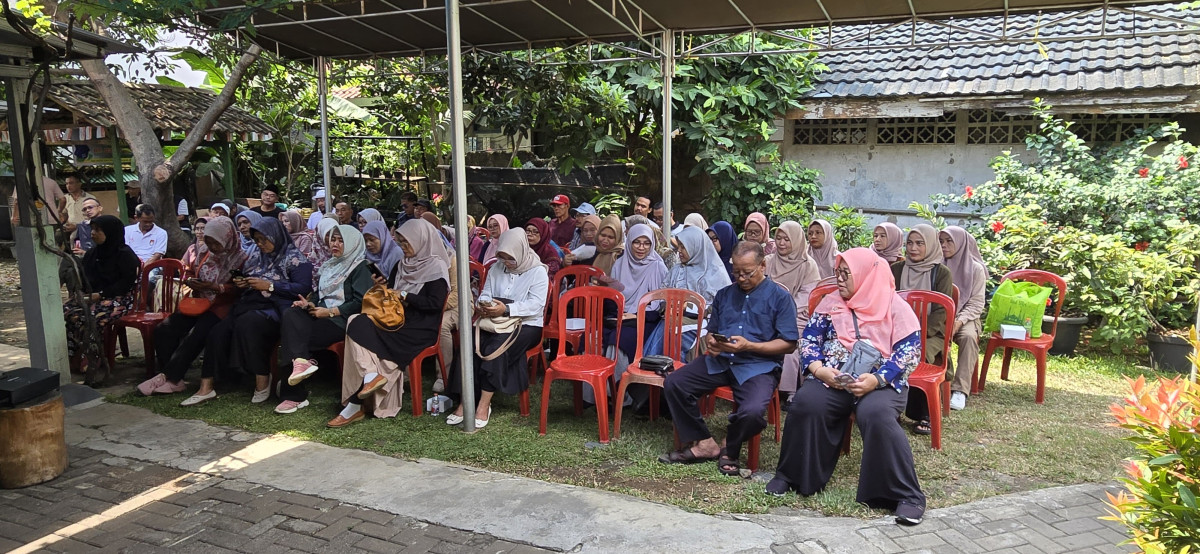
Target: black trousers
[
  {"x": 507, "y": 374},
  {"x": 812, "y": 439},
  {"x": 300, "y": 334},
  {"x": 179, "y": 340},
  {"x": 684, "y": 386},
  {"x": 241, "y": 343}
]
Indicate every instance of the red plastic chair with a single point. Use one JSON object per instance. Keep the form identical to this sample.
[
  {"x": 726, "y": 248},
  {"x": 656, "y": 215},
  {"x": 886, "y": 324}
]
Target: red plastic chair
[
  {"x": 814, "y": 297},
  {"x": 931, "y": 378},
  {"x": 414, "y": 368},
  {"x": 589, "y": 366},
  {"x": 536, "y": 356},
  {"x": 675, "y": 302},
  {"x": 142, "y": 317},
  {"x": 773, "y": 411},
  {"x": 479, "y": 275},
  {"x": 1040, "y": 346},
  {"x": 566, "y": 279}
]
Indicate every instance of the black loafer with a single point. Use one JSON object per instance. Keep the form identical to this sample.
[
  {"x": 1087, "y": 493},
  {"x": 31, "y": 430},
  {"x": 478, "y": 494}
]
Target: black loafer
[{"x": 778, "y": 487}]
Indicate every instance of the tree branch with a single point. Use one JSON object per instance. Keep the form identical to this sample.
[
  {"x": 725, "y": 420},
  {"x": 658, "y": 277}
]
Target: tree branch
[{"x": 214, "y": 111}]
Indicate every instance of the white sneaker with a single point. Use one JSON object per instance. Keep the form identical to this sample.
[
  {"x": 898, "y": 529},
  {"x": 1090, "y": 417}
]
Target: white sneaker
[
  {"x": 958, "y": 400},
  {"x": 261, "y": 396}
]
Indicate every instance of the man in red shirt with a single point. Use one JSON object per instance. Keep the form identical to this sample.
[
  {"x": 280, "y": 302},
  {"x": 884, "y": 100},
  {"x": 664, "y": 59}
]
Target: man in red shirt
[{"x": 562, "y": 227}]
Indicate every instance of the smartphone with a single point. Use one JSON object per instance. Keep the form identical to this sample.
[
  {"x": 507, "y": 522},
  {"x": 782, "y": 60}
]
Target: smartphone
[
  {"x": 844, "y": 379},
  {"x": 720, "y": 337},
  {"x": 236, "y": 274},
  {"x": 376, "y": 271}
]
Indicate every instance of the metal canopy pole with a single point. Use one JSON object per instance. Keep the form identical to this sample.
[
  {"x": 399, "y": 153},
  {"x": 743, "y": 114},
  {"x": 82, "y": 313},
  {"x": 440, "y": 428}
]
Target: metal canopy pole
[
  {"x": 466, "y": 350},
  {"x": 668, "y": 124},
  {"x": 322, "y": 92}
]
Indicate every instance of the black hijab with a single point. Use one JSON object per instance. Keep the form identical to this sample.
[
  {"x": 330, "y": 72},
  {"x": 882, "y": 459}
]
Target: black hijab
[{"x": 108, "y": 266}]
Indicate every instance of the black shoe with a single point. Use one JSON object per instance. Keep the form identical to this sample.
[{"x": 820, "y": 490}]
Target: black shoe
[
  {"x": 778, "y": 487},
  {"x": 909, "y": 514}
]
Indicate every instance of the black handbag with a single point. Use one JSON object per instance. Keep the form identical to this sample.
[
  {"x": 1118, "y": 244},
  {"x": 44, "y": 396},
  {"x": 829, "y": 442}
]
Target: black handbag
[{"x": 662, "y": 365}]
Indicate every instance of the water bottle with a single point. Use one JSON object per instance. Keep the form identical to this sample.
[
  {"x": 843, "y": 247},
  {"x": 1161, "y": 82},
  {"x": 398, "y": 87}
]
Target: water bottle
[{"x": 435, "y": 404}]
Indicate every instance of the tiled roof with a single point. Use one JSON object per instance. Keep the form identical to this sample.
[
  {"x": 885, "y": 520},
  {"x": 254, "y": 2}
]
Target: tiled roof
[
  {"x": 1082, "y": 65},
  {"x": 168, "y": 108}
]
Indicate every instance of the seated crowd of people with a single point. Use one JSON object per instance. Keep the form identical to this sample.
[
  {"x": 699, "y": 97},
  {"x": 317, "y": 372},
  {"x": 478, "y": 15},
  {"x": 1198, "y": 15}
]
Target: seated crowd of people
[{"x": 271, "y": 280}]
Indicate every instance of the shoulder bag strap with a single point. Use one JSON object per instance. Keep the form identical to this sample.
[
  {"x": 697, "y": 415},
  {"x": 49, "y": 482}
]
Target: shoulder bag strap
[
  {"x": 854, "y": 316},
  {"x": 511, "y": 340}
]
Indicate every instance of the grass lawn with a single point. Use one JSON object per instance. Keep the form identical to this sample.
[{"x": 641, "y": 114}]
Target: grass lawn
[{"x": 1001, "y": 443}]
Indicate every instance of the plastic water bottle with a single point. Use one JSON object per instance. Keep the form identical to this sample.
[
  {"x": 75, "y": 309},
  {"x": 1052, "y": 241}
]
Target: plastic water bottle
[{"x": 433, "y": 408}]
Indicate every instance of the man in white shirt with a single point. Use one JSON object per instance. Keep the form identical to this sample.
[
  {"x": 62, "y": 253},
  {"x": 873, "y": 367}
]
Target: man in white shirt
[
  {"x": 148, "y": 241},
  {"x": 318, "y": 209},
  {"x": 73, "y": 207}
]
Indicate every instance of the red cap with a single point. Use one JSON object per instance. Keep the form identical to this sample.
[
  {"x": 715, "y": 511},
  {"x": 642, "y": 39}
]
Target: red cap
[{"x": 561, "y": 199}]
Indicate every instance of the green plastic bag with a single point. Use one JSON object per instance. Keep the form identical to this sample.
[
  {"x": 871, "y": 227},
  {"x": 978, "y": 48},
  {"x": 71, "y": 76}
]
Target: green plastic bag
[{"x": 1018, "y": 303}]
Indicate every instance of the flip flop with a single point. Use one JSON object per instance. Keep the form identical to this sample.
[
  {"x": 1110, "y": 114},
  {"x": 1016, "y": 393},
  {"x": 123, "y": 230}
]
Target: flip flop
[
  {"x": 684, "y": 456},
  {"x": 724, "y": 461}
]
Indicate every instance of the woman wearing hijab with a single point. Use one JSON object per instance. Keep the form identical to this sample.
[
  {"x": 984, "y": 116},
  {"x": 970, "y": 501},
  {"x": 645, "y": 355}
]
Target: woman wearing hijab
[
  {"x": 381, "y": 249},
  {"x": 756, "y": 229},
  {"x": 887, "y": 240},
  {"x": 794, "y": 270},
  {"x": 639, "y": 271},
  {"x": 496, "y": 226},
  {"x": 696, "y": 220},
  {"x": 377, "y": 358},
  {"x": 316, "y": 322},
  {"x": 586, "y": 252},
  {"x": 294, "y": 223},
  {"x": 368, "y": 215},
  {"x": 823, "y": 245},
  {"x": 245, "y": 221},
  {"x": 479, "y": 240},
  {"x": 537, "y": 233},
  {"x": 866, "y": 306},
  {"x": 110, "y": 272},
  {"x": 665, "y": 249},
  {"x": 275, "y": 275},
  {"x": 516, "y": 287},
  {"x": 610, "y": 243},
  {"x": 447, "y": 239},
  {"x": 970, "y": 275},
  {"x": 724, "y": 240},
  {"x": 922, "y": 269},
  {"x": 191, "y": 257},
  {"x": 700, "y": 271},
  {"x": 180, "y": 339}
]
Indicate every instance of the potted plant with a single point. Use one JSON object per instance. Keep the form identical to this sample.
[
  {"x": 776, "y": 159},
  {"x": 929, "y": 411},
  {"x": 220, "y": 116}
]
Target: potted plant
[{"x": 1171, "y": 298}]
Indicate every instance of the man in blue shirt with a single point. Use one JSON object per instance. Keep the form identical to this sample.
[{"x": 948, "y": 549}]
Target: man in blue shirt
[{"x": 752, "y": 326}]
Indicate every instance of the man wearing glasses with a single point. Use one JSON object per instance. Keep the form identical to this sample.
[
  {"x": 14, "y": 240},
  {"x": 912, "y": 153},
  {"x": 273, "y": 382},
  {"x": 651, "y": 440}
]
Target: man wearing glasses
[
  {"x": 81, "y": 239},
  {"x": 751, "y": 327}
]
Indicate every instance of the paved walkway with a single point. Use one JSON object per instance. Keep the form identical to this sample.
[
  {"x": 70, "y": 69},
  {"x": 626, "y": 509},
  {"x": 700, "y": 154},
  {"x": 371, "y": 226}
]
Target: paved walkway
[{"x": 143, "y": 482}]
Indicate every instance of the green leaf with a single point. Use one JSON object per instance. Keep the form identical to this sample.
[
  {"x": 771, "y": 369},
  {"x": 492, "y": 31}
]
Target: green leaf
[{"x": 1163, "y": 460}]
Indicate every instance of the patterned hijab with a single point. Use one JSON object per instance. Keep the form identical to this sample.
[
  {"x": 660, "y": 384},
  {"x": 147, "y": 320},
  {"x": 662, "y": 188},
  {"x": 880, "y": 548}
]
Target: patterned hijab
[
  {"x": 605, "y": 258},
  {"x": 915, "y": 275},
  {"x": 883, "y": 317},
  {"x": 703, "y": 273},
  {"x": 389, "y": 254},
  {"x": 429, "y": 261},
  {"x": 277, "y": 265},
  {"x": 638, "y": 276},
  {"x": 332, "y": 276},
  {"x": 796, "y": 269},
  {"x": 253, "y": 218},
  {"x": 966, "y": 254},
  {"x": 515, "y": 243},
  {"x": 895, "y": 242},
  {"x": 214, "y": 268},
  {"x": 826, "y": 255}
]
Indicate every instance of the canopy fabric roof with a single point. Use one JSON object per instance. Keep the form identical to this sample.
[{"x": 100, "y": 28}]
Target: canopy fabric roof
[{"x": 369, "y": 28}]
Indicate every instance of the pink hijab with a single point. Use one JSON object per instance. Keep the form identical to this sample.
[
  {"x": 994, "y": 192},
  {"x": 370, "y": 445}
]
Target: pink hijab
[
  {"x": 883, "y": 317},
  {"x": 895, "y": 242},
  {"x": 493, "y": 246},
  {"x": 761, "y": 220}
]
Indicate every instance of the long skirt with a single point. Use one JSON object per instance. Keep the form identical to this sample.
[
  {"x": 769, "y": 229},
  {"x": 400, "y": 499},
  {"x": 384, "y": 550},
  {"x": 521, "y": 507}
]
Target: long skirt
[
  {"x": 361, "y": 361},
  {"x": 105, "y": 311},
  {"x": 507, "y": 374},
  {"x": 812, "y": 439}
]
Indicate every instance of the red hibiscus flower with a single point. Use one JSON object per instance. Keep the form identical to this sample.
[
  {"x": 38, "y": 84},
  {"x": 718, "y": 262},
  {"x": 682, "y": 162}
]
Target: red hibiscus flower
[
  {"x": 997, "y": 226},
  {"x": 970, "y": 192},
  {"x": 1183, "y": 163},
  {"x": 1144, "y": 172},
  {"x": 1141, "y": 246}
]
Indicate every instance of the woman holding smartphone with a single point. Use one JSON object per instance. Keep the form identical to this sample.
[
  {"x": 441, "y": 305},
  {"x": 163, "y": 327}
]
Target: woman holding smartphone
[
  {"x": 180, "y": 338},
  {"x": 516, "y": 286},
  {"x": 318, "y": 321}
]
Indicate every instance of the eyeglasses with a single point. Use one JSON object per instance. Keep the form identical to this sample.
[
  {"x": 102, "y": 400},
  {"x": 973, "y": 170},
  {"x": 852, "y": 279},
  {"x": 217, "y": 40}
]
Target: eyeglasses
[
  {"x": 842, "y": 274},
  {"x": 744, "y": 274}
]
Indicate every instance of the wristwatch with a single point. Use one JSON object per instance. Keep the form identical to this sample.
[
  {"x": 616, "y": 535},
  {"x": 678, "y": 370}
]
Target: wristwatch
[
  {"x": 403, "y": 295},
  {"x": 882, "y": 382}
]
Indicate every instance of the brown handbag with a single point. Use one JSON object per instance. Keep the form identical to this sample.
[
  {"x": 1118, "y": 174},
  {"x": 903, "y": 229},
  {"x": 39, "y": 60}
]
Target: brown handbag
[{"x": 384, "y": 307}]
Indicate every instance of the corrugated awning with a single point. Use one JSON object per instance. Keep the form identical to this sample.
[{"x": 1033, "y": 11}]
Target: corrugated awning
[{"x": 370, "y": 28}]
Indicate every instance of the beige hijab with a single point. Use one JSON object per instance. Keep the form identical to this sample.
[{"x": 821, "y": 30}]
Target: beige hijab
[
  {"x": 515, "y": 243},
  {"x": 429, "y": 261},
  {"x": 915, "y": 275},
  {"x": 605, "y": 258},
  {"x": 796, "y": 269}
]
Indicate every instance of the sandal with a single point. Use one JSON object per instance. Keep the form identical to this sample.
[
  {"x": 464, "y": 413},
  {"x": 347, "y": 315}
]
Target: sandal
[
  {"x": 684, "y": 456},
  {"x": 729, "y": 466},
  {"x": 922, "y": 427}
]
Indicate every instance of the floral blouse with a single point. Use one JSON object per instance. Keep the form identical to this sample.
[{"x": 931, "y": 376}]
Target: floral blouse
[{"x": 818, "y": 342}]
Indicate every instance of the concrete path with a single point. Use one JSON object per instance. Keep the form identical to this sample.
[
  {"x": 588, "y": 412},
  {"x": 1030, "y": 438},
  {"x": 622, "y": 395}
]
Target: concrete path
[{"x": 307, "y": 496}]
